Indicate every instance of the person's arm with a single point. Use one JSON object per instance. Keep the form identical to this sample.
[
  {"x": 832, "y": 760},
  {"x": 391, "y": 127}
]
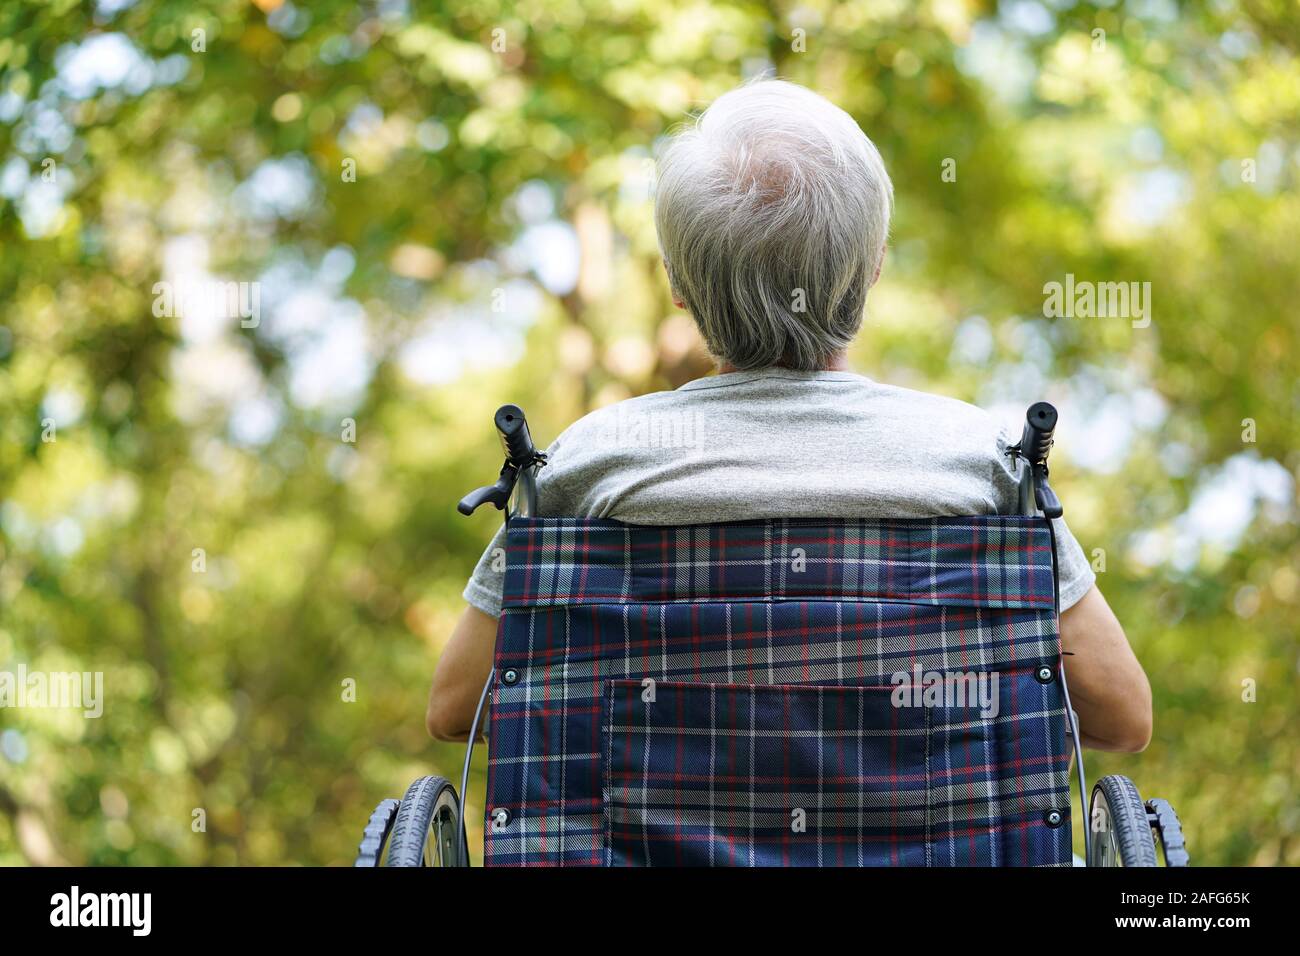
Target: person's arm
[
  {"x": 1108, "y": 688},
  {"x": 459, "y": 677}
]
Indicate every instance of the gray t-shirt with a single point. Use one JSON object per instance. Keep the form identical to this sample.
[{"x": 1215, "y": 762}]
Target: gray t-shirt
[{"x": 778, "y": 443}]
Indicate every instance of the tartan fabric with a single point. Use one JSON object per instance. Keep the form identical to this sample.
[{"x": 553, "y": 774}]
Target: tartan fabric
[
  {"x": 971, "y": 562},
  {"x": 771, "y": 736}
]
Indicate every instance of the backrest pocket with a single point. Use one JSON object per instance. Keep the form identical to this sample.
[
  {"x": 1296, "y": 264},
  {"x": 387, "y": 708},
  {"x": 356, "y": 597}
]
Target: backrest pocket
[{"x": 697, "y": 774}]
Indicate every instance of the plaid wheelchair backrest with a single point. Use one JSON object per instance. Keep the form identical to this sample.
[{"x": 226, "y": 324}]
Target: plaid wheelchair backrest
[{"x": 771, "y": 693}]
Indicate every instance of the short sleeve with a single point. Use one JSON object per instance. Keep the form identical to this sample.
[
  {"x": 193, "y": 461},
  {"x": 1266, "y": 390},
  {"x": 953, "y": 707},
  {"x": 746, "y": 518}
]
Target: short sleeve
[
  {"x": 487, "y": 583},
  {"x": 1074, "y": 573}
]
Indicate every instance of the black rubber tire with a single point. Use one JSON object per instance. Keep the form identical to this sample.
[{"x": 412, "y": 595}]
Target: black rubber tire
[
  {"x": 427, "y": 829},
  {"x": 375, "y": 836},
  {"x": 1168, "y": 832},
  {"x": 1120, "y": 832}
]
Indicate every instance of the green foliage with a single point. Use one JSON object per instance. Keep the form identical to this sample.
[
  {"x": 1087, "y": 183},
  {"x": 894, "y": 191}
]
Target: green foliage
[{"x": 405, "y": 299}]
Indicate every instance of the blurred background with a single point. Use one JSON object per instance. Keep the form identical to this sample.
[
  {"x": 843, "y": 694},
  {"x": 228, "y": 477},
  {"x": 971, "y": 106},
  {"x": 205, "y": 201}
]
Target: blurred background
[{"x": 245, "y": 517}]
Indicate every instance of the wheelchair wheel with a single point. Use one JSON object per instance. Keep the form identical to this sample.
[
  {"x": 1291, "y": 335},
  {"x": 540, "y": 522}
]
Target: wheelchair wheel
[
  {"x": 1121, "y": 834},
  {"x": 427, "y": 829},
  {"x": 375, "y": 836},
  {"x": 1168, "y": 832}
]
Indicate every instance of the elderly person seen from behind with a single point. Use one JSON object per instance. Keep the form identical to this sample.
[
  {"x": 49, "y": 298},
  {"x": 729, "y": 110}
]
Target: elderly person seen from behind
[{"x": 772, "y": 212}]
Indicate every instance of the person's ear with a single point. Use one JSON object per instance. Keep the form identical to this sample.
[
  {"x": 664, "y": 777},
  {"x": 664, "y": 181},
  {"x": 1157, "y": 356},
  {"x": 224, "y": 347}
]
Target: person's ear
[
  {"x": 879, "y": 265},
  {"x": 677, "y": 299}
]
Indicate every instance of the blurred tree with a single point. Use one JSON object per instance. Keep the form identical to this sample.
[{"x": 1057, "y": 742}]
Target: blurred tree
[{"x": 243, "y": 515}]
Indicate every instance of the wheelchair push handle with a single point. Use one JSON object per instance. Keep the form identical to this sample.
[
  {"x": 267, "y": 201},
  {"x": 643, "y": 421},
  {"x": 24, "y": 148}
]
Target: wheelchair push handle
[
  {"x": 1040, "y": 427},
  {"x": 516, "y": 440},
  {"x": 521, "y": 464},
  {"x": 1035, "y": 445}
]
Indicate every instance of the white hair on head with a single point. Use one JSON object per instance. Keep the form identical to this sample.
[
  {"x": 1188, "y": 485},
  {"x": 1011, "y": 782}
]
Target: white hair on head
[{"x": 772, "y": 211}]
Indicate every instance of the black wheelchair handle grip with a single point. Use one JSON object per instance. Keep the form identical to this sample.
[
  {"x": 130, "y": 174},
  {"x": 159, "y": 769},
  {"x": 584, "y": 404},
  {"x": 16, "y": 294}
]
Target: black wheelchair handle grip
[
  {"x": 1046, "y": 499},
  {"x": 497, "y": 495},
  {"x": 1040, "y": 426},
  {"x": 515, "y": 437}
]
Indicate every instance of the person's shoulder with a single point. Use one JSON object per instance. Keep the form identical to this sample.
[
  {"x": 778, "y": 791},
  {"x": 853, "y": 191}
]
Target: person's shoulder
[
  {"x": 943, "y": 413},
  {"x": 612, "y": 435},
  {"x": 600, "y": 422},
  {"x": 965, "y": 438}
]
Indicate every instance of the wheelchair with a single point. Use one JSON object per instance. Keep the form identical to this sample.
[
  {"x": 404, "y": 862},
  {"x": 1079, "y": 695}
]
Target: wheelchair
[{"x": 746, "y": 694}]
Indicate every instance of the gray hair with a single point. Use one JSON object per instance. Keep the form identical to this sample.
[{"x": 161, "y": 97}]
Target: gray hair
[{"x": 772, "y": 211}]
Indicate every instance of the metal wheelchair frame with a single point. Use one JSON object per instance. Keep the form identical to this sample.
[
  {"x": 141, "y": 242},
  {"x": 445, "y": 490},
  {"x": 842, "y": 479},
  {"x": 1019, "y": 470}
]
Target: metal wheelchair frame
[{"x": 1120, "y": 827}]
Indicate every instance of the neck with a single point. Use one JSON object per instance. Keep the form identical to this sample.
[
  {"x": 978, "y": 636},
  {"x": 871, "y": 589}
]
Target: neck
[{"x": 839, "y": 362}]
